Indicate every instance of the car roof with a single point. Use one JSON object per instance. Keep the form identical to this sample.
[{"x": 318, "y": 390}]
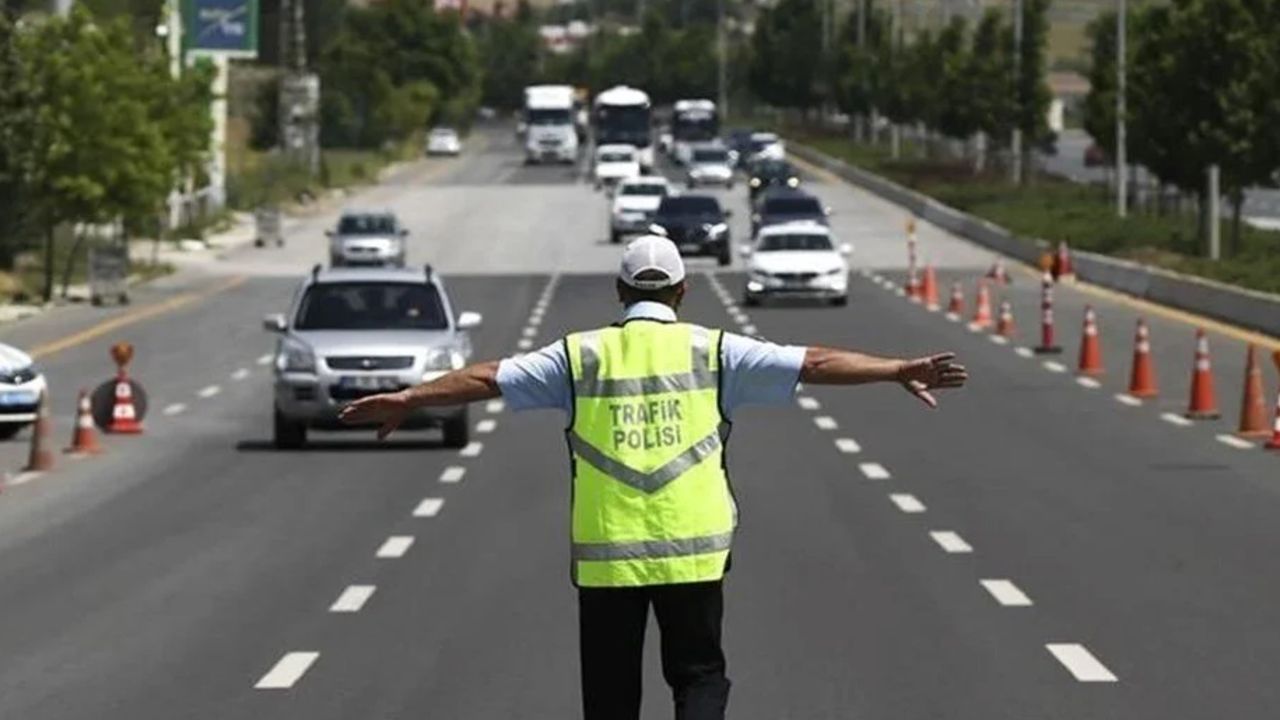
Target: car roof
[
  {"x": 764, "y": 136},
  {"x": 793, "y": 227},
  {"x": 323, "y": 275},
  {"x": 645, "y": 180},
  {"x": 367, "y": 212}
]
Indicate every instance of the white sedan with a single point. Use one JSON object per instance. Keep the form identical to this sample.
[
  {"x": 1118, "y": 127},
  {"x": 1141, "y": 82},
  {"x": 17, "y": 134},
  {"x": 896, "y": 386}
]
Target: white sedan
[
  {"x": 615, "y": 163},
  {"x": 444, "y": 141},
  {"x": 21, "y": 386},
  {"x": 799, "y": 260}
]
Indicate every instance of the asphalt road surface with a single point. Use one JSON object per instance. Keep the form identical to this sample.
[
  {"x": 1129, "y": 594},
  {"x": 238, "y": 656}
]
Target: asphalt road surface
[{"x": 1036, "y": 548}]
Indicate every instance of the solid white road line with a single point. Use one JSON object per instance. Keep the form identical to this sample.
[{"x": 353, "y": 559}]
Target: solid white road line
[
  {"x": 352, "y": 599},
  {"x": 1127, "y": 399},
  {"x": 1175, "y": 419},
  {"x": 874, "y": 471},
  {"x": 486, "y": 426},
  {"x": 848, "y": 446},
  {"x": 1235, "y": 442},
  {"x": 174, "y": 408},
  {"x": 907, "y": 502},
  {"x": 287, "y": 671},
  {"x": 240, "y": 374},
  {"x": 1006, "y": 593},
  {"x": 1088, "y": 382},
  {"x": 265, "y": 359},
  {"x": 1025, "y": 352},
  {"x": 429, "y": 507},
  {"x": 825, "y": 422},
  {"x": 209, "y": 392},
  {"x": 950, "y": 542},
  {"x": 494, "y": 406},
  {"x": 472, "y": 449},
  {"x": 395, "y": 546},
  {"x": 453, "y": 474},
  {"x": 807, "y": 403},
  {"x": 1054, "y": 366},
  {"x": 525, "y": 344},
  {"x": 749, "y": 330},
  {"x": 1080, "y": 662}
]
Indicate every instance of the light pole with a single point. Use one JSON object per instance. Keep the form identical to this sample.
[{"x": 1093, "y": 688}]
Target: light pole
[{"x": 1122, "y": 155}]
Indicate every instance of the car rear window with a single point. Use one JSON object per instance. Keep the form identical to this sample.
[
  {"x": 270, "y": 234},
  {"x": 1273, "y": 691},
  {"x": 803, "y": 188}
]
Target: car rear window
[
  {"x": 366, "y": 225},
  {"x": 798, "y": 241},
  {"x": 773, "y": 169},
  {"x": 690, "y": 205},
  {"x": 618, "y": 156},
  {"x": 650, "y": 189},
  {"x": 792, "y": 206},
  {"x": 372, "y": 306},
  {"x": 710, "y": 156}
]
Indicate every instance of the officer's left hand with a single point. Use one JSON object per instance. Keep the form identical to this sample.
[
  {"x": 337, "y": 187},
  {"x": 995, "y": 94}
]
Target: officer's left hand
[{"x": 921, "y": 375}]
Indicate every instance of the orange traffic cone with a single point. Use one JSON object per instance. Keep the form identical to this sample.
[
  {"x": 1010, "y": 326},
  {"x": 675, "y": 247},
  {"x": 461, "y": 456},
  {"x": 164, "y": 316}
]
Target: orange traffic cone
[
  {"x": 41, "y": 458},
  {"x": 1090, "y": 345},
  {"x": 1062, "y": 262},
  {"x": 956, "y": 306},
  {"x": 998, "y": 273},
  {"x": 1274, "y": 442},
  {"x": 1004, "y": 324},
  {"x": 124, "y": 414},
  {"x": 929, "y": 292},
  {"x": 84, "y": 441},
  {"x": 1047, "y": 344},
  {"x": 1142, "y": 379},
  {"x": 1204, "y": 402},
  {"x": 1253, "y": 408},
  {"x": 982, "y": 308}
]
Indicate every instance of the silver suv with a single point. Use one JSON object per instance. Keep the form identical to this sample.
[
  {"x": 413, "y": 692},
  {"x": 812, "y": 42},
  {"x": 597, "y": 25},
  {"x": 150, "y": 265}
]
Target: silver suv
[
  {"x": 352, "y": 332},
  {"x": 367, "y": 238}
]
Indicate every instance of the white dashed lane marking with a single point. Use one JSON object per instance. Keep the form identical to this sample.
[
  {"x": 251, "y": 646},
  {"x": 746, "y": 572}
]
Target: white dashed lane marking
[
  {"x": 352, "y": 599},
  {"x": 807, "y": 403},
  {"x": 473, "y": 449},
  {"x": 1025, "y": 352},
  {"x": 395, "y": 546},
  {"x": 525, "y": 344},
  {"x": 907, "y": 503},
  {"x": 848, "y": 446},
  {"x": 1088, "y": 382},
  {"x": 825, "y": 422},
  {"x": 1006, "y": 593},
  {"x": 1080, "y": 662},
  {"x": 209, "y": 392},
  {"x": 1126, "y": 399},
  {"x": 998, "y": 339},
  {"x": 494, "y": 406},
  {"x": 950, "y": 542},
  {"x": 265, "y": 359},
  {"x": 453, "y": 474},
  {"x": 1235, "y": 442},
  {"x": 173, "y": 408},
  {"x": 287, "y": 671},
  {"x": 874, "y": 471},
  {"x": 486, "y": 426},
  {"x": 749, "y": 329},
  {"x": 1175, "y": 419},
  {"x": 240, "y": 374},
  {"x": 429, "y": 507},
  {"x": 1054, "y": 366},
  {"x": 530, "y": 332}
]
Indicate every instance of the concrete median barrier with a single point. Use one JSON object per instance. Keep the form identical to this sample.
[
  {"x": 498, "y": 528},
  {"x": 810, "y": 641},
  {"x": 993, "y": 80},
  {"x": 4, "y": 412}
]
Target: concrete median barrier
[{"x": 1247, "y": 308}]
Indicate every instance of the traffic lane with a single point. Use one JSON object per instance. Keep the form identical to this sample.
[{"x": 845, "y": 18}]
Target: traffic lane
[
  {"x": 1147, "y": 548},
  {"x": 198, "y": 570}
]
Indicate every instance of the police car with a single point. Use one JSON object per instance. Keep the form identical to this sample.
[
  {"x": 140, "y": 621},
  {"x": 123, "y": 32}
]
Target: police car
[{"x": 21, "y": 385}]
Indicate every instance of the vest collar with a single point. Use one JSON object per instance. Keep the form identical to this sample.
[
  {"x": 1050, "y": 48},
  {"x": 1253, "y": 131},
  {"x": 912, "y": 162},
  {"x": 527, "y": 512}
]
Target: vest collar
[{"x": 649, "y": 310}]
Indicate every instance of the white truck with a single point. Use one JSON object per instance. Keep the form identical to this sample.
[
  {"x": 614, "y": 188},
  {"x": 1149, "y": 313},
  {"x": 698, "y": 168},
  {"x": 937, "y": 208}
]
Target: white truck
[
  {"x": 621, "y": 115},
  {"x": 549, "y": 121}
]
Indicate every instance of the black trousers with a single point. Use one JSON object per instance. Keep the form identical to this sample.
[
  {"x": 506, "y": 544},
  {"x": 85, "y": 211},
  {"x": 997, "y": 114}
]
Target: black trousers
[{"x": 611, "y": 624}]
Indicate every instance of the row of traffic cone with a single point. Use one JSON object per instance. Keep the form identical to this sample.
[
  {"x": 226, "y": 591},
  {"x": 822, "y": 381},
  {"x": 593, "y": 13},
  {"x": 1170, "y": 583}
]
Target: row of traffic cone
[{"x": 84, "y": 438}]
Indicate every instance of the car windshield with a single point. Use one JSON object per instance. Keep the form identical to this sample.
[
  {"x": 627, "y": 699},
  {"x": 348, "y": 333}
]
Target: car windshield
[
  {"x": 367, "y": 225},
  {"x": 690, "y": 205},
  {"x": 549, "y": 117},
  {"x": 442, "y": 133},
  {"x": 372, "y": 306},
  {"x": 710, "y": 156},
  {"x": 649, "y": 189},
  {"x": 797, "y": 241},
  {"x": 773, "y": 170},
  {"x": 792, "y": 206},
  {"x": 759, "y": 142},
  {"x": 615, "y": 156}
]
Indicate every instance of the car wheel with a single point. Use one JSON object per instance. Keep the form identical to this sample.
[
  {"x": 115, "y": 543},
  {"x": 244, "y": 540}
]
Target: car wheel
[
  {"x": 8, "y": 430},
  {"x": 457, "y": 430},
  {"x": 750, "y": 300},
  {"x": 615, "y": 237},
  {"x": 725, "y": 256},
  {"x": 840, "y": 301},
  {"x": 288, "y": 434}
]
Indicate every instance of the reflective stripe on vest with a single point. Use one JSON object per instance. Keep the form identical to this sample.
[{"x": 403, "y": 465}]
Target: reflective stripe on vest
[{"x": 651, "y": 502}]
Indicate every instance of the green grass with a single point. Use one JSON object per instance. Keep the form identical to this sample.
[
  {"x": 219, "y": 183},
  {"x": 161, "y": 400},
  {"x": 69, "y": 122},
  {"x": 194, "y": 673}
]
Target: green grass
[
  {"x": 256, "y": 178},
  {"x": 1084, "y": 217}
]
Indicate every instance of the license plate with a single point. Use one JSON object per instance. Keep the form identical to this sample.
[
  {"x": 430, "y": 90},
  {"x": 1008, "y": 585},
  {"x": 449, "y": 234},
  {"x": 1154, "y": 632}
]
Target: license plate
[
  {"x": 17, "y": 397},
  {"x": 369, "y": 382},
  {"x": 690, "y": 247}
]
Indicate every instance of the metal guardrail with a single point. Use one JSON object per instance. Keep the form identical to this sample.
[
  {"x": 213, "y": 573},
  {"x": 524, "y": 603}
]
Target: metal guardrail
[{"x": 1247, "y": 308}]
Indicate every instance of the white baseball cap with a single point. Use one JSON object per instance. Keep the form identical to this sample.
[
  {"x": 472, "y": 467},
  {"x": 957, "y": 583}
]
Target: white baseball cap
[{"x": 654, "y": 258}]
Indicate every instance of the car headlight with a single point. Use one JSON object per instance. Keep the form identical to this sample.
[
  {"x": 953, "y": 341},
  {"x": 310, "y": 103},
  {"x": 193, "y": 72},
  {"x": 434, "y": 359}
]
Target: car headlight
[
  {"x": 793, "y": 182},
  {"x": 295, "y": 356},
  {"x": 759, "y": 276},
  {"x": 445, "y": 359},
  {"x": 755, "y": 182},
  {"x": 716, "y": 229}
]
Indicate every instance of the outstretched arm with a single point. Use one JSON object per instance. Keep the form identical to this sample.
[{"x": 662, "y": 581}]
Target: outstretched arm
[
  {"x": 470, "y": 384},
  {"x": 831, "y": 366}
]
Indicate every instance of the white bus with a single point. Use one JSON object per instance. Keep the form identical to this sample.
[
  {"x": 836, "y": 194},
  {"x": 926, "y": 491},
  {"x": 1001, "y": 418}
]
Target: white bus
[
  {"x": 621, "y": 116},
  {"x": 692, "y": 122},
  {"x": 548, "y": 119}
]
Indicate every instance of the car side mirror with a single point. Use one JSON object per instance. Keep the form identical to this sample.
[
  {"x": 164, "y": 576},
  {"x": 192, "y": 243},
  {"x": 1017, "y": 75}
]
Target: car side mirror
[
  {"x": 469, "y": 320},
  {"x": 275, "y": 323},
  {"x": 745, "y": 251},
  {"x": 658, "y": 230},
  {"x": 846, "y": 249}
]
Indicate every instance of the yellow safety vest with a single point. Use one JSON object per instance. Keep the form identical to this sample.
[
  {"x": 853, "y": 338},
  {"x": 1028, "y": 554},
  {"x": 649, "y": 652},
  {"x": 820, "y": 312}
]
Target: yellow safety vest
[{"x": 651, "y": 500}]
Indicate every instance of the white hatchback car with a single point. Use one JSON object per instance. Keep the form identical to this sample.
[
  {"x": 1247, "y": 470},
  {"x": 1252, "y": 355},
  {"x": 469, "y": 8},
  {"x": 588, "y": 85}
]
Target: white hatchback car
[
  {"x": 799, "y": 260},
  {"x": 635, "y": 200},
  {"x": 444, "y": 141},
  {"x": 615, "y": 163},
  {"x": 21, "y": 385}
]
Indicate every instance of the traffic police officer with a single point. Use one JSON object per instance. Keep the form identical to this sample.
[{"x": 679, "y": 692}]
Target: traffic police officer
[{"x": 653, "y": 515}]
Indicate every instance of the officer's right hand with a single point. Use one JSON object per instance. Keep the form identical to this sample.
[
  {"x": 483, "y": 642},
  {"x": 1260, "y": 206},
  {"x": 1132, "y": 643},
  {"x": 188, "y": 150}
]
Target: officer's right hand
[{"x": 388, "y": 410}]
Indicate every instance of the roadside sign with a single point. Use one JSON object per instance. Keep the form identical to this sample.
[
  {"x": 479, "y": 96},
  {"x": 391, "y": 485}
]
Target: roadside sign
[
  {"x": 221, "y": 27},
  {"x": 109, "y": 273},
  {"x": 267, "y": 228}
]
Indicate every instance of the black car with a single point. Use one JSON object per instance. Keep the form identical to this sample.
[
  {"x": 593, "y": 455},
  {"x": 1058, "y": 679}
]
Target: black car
[
  {"x": 738, "y": 141},
  {"x": 696, "y": 224},
  {"x": 786, "y": 205},
  {"x": 766, "y": 174}
]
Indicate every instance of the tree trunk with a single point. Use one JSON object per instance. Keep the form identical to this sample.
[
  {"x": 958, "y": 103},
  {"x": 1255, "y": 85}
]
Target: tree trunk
[
  {"x": 70, "y": 265},
  {"x": 47, "y": 292}
]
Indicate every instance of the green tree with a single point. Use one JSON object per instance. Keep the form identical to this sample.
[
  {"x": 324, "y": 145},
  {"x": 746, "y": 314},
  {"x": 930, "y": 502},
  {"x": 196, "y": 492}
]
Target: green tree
[
  {"x": 1030, "y": 89},
  {"x": 989, "y": 77},
  {"x": 787, "y": 59},
  {"x": 1100, "y": 104}
]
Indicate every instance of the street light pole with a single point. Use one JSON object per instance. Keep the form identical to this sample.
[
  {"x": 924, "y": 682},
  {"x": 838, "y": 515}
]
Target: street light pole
[
  {"x": 1122, "y": 155},
  {"x": 1017, "y": 94}
]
